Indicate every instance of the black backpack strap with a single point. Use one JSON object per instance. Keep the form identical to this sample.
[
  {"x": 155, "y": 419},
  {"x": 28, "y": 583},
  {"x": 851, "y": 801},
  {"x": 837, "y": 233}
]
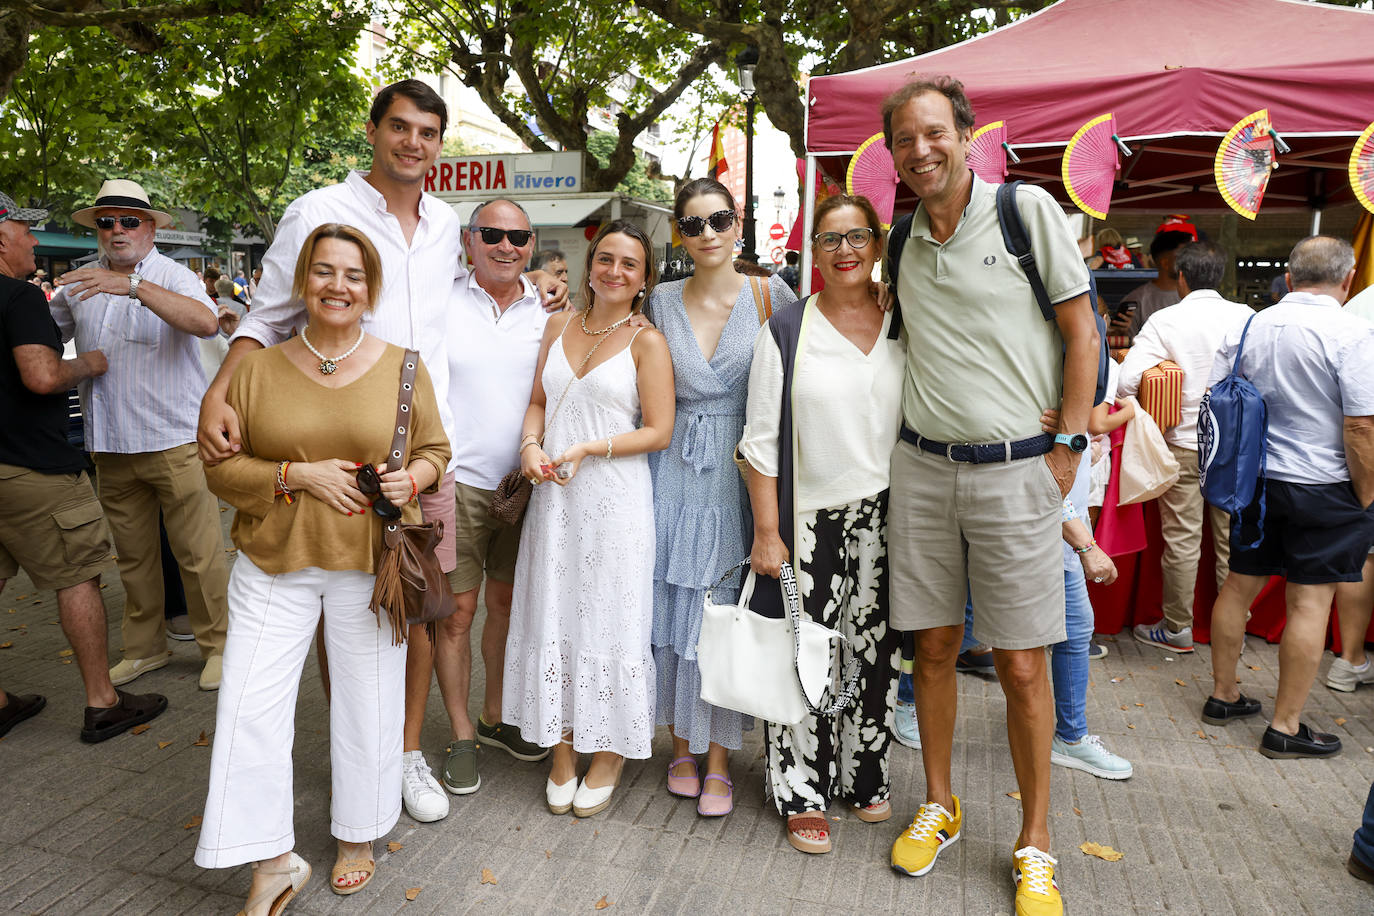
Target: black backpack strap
[
  {"x": 1018, "y": 242},
  {"x": 896, "y": 241}
]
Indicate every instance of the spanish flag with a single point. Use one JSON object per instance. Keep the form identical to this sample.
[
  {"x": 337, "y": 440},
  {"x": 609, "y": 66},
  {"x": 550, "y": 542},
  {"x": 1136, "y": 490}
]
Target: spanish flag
[{"x": 716, "y": 165}]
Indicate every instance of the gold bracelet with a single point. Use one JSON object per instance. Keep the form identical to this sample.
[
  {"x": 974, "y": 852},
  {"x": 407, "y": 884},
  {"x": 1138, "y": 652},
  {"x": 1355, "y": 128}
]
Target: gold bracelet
[
  {"x": 527, "y": 445},
  {"x": 608, "y": 447}
]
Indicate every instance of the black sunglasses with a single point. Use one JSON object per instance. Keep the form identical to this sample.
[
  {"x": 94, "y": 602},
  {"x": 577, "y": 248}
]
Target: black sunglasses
[
  {"x": 830, "y": 241},
  {"x": 371, "y": 485},
  {"x": 518, "y": 237},
  {"x": 692, "y": 226},
  {"x": 128, "y": 222}
]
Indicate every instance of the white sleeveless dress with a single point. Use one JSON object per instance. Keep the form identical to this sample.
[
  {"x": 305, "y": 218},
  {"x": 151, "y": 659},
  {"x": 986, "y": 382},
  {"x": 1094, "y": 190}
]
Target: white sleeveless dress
[{"x": 578, "y": 653}]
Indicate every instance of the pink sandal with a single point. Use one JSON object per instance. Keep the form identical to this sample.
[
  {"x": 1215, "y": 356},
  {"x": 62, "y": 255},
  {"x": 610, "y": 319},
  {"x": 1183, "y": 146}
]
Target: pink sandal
[
  {"x": 709, "y": 805},
  {"x": 684, "y": 786}
]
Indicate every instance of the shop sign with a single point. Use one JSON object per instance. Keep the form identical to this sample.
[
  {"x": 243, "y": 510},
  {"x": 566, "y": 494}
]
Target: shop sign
[{"x": 517, "y": 175}]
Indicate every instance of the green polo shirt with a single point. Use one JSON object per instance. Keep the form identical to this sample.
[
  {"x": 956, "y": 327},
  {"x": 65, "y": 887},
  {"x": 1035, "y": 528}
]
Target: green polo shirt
[{"x": 982, "y": 361}]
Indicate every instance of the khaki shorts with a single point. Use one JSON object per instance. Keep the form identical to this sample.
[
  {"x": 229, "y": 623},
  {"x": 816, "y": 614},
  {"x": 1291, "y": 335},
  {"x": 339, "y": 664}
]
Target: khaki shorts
[
  {"x": 484, "y": 545},
  {"x": 994, "y": 529},
  {"x": 52, "y": 526},
  {"x": 438, "y": 507}
]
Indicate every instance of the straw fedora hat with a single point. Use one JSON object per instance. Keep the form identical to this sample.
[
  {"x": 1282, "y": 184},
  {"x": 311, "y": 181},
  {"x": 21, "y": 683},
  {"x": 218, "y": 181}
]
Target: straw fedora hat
[{"x": 126, "y": 195}]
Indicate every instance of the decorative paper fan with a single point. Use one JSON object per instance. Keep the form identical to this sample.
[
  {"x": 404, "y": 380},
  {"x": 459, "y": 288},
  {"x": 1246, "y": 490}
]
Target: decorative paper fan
[
  {"x": 1244, "y": 160},
  {"x": 1362, "y": 168},
  {"x": 873, "y": 174},
  {"x": 987, "y": 152},
  {"x": 1090, "y": 163}
]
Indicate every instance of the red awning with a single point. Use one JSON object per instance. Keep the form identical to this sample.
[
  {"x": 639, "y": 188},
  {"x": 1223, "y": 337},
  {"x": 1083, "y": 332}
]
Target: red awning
[{"x": 1176, "y": 73}]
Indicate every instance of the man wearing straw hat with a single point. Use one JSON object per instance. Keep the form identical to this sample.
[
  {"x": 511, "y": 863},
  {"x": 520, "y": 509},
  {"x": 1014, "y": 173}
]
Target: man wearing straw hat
[{"x": 145, "y": 312}]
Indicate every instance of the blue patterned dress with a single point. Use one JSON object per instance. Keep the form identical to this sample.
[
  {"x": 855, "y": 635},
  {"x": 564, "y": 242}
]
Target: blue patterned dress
[{"x": 701, "y": 508}]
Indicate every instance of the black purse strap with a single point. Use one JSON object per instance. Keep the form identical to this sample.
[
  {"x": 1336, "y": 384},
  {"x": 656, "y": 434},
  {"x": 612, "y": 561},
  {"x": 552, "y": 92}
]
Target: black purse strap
[{"x": 395, "y": 457}]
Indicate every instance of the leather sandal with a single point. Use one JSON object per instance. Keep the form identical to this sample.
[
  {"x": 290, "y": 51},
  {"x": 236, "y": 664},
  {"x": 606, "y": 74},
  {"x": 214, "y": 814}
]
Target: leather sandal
[
  {"x": 709, "y": 805},
  {"x": 132, "y": 709},
  {"x": 874, "y": 814},
  {"x": 684, "y": 786},
  {"x": 808, "y": 820},
  {"x": 299, "y": 871},
  {"x": 344, "y": 867}
]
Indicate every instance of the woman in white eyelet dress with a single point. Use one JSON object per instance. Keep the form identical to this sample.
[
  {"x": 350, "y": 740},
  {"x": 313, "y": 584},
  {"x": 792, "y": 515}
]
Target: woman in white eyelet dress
[{"x": 578, "y": 656}]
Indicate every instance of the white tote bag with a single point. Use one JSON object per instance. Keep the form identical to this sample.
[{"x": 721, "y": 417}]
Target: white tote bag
[
  {"x": 752, "y": 664},
  {"x": 1148, "y": 468}
]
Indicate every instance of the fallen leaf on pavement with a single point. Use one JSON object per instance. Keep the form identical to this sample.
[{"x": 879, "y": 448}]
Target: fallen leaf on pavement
[
  {"x": 602, "y": 903},
  {"x": 487, "y": 877},
  {"x": 1129, "y": 725},
  {"x": 1116, "y": 680},
  {"x": 1141, "y": 705},
  {"x": 193, "y": 822},
  {"x": 202, "y": 741},
  {"x": 1076, "y": 811},
  {"x": 1340, "y": 720},
  {"x": 1200, "y": 734},
  {"x": 393, "y": 846},
  {"x": 1015, "y": 795},
  {"x": 139, "y": 729},
  {"x": 1105, "y": 853},
  {"x": 548, "y": 854},
  {"x": 163, "y": 744},
  {"x": 5, "y": 645},
  {"x": 65, "y": 653},
  {"x": 1254, "y": 667},
  {"x": 413, "y": 893},
  {"x": 1179, "y": 682},
  {"x": 1123, "y": 707}
]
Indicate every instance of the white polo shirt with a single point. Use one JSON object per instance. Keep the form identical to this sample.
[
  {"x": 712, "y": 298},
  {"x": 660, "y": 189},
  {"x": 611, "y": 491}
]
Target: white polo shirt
[
  {"x": 1313, "y": 363},
  {"x": 492, "y": 356}
]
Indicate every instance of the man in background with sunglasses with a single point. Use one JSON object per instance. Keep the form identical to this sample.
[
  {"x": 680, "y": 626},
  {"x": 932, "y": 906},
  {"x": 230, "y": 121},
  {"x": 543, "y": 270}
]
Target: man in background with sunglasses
[{"x": 146, "y": 313}]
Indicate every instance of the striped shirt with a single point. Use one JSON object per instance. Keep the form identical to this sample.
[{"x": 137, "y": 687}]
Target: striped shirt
[
  {"x": 149, "y": 399},
  {"x": 416, "y": 278}
]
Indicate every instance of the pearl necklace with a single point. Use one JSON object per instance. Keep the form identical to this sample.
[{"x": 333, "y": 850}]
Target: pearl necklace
[
  {"x": 330, "y": 364},
  {"x": 606, "y": 330}
]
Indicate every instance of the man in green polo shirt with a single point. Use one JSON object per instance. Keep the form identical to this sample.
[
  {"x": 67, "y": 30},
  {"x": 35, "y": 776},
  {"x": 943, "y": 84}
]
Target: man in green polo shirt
[{"x": 976, "y": 486}]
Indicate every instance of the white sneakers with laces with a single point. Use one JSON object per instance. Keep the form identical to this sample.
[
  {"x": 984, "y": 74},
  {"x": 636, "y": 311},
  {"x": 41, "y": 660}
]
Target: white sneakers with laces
[{"x": 421, "y": 793}]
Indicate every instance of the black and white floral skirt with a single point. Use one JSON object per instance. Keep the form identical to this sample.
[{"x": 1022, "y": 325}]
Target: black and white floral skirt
[{"x": 841, "y": 565}]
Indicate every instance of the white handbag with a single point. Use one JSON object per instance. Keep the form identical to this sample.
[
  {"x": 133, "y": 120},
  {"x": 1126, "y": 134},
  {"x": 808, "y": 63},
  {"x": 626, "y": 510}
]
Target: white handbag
[
  {"x": 1148, "y": 468},
  {"x": 767, "y": 667}
]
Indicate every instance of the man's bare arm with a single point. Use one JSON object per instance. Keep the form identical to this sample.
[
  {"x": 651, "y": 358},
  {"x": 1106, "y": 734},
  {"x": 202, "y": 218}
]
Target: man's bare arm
[
  {"x": 1358, "y": 433},
  {"x": 43, "y": 371},
  {"x": 217, "y": 432}
]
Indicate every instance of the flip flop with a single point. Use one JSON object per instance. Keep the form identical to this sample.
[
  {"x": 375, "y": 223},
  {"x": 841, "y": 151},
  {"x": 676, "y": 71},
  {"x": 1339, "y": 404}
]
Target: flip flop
[
  {"x": 684, "y": 786},
  {"x": 811, "y": 820},
  {"x": 341, "y": 868},
  {"x": 709, "y": 805}
]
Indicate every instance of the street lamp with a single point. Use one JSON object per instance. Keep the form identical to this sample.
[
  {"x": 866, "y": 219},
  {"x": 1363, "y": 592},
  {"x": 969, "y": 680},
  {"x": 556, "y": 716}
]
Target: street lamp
[{"x": 746, "y": 61}]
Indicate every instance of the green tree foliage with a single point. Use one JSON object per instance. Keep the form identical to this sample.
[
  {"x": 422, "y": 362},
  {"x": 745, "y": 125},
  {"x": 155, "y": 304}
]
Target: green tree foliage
[
  {"x": 575, "y": 62},
  {"x": 637, "y": 182}
]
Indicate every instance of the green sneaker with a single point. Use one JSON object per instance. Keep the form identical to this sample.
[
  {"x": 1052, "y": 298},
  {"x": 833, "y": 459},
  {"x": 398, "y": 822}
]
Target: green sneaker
[
  {"x": 459, "y": 774},
  {"x": 507, "y": 737}
]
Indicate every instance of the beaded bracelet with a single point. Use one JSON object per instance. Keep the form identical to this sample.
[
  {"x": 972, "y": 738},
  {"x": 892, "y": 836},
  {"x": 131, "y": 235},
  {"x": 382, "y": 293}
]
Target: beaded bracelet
[
  {"x": 1083, "y": 550},
  {"x": 414, "y": 489},
  {"x": 281, "y": 482}
]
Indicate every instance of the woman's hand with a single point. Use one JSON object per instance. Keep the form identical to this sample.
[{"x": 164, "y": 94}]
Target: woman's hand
[
  {"x": 333, "y": 482},
  {"x": 1097, "y": 566},
  {"x": 1126, "y": 407},
  {"x": 396, "y": 485},
  {"x": 768, "y": 554},
  {"x": 533, "y": 460},
  {"x": 572, "y": 456}
]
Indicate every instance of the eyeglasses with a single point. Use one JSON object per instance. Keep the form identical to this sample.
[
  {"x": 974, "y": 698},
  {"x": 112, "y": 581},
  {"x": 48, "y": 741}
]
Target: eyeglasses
[
  {"x": 830, "y": 241},
  {"x": 128, "y": 222},
  {"x": 371, "y": 485},
  {"x": 692, "y": 226},
  {"x": 492, "y": 236}
]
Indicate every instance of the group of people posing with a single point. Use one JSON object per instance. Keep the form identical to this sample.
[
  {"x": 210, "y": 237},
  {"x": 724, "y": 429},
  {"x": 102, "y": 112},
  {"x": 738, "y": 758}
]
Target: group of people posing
[{"x": 912, "y": 452}]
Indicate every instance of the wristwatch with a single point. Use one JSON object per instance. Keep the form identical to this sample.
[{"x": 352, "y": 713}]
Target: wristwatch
[
  {"x": 134, "y": 280},
  {"x": 1076, "y": 442}
]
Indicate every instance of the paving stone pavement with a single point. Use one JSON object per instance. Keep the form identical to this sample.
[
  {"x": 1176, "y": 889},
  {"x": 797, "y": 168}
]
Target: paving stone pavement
[{"x": 1207, "y": 825}]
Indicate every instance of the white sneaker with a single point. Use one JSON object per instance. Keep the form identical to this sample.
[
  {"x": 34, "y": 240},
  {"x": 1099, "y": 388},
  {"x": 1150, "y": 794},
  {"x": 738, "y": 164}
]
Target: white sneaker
[
  {"x": 1346, "y": 677},
  {"x": 904, "y": 725},
  {"x": 1090, "y": 756},
  {"x": 421, "y": 793}
]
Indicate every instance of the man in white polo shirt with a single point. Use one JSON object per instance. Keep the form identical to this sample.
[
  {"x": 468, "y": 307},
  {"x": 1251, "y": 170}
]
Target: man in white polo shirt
[
  {"x": 495, "y": 324},
  {"x": 1187, "y": 334}
]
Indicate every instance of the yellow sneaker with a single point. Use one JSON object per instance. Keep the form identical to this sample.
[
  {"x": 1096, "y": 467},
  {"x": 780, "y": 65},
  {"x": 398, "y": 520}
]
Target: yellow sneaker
[
  {"x": 1036, "y": 892},
  {"x": 931, "y": 831}
]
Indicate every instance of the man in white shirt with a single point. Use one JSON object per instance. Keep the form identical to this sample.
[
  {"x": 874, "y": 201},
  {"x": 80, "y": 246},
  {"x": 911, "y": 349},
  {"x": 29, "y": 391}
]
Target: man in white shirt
[
  {"x": 495, "y": 325},
  {"x": 1188, "y": 334},
  {"x": 1314, "y": 366},
  {"x": 146, "y": 313}
]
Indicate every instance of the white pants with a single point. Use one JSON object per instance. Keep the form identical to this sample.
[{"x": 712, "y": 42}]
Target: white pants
[{"x": 272, "y": 621}]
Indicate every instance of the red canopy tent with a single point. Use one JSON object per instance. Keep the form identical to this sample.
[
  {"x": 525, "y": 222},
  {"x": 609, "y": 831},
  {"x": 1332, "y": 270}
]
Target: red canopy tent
[{"x": 1176, "y": 73}]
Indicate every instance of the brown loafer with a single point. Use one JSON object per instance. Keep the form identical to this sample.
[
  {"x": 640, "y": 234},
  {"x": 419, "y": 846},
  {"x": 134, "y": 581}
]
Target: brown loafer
[
  {"x": 18, "y": 709},
  {"x": 132, "y": 709}
]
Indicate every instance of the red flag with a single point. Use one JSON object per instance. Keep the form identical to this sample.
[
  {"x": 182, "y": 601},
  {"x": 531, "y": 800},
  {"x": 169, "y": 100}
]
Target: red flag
[{"x": 716, "y": 164}]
